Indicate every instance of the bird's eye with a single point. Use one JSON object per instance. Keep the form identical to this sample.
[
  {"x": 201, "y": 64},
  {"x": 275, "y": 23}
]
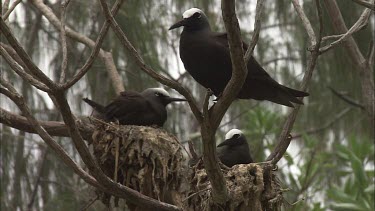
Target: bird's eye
[
  {"x": 157, "y": 94},
  {"x": 197, "y": 15},
  {"x": 236, "y": 136}
]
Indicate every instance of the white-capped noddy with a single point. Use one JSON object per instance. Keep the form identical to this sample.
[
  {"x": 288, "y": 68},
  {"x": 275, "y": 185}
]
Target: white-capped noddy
[
  {"x": 234, "y": 149},
  {"x": 132, "y": 108},
  {"x": 206, "y": 57}
]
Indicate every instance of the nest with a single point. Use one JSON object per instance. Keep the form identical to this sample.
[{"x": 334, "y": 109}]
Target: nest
[
  {"x": 145, "y": 159},
  {"x": 251, "y": 187}
]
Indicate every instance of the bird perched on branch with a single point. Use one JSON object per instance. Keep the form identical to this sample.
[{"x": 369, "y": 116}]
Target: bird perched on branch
[
  {"x": 234, "y": 149},
  {"x": 206, "y": 57},
  {"x": 132, "y": 108}
]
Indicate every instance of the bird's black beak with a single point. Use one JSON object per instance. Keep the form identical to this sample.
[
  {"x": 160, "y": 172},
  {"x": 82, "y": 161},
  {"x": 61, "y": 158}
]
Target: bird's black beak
[
  {"x": 173, "y": 99},
  {"x": 225, "y": 142},
  {"x": 178, "y": 24}
]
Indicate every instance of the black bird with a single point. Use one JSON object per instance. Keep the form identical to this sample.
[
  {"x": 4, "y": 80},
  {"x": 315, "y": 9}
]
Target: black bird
[
  {"x": 234, "y": 149},
  {"x": 206, "y": 57},
  {"x": 132, "y": 108}
]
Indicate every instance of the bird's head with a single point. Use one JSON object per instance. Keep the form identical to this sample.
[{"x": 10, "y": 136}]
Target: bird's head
[
  {"x": 234, "y": 137},
  {"x": 160, "y": 95},
  {"x": 192, "y": 19}
]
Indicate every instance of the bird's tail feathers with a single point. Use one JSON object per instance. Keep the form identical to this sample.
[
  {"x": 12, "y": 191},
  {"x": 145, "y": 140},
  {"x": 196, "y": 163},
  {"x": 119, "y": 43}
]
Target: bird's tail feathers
[
  {"x": 99, "y": 108},
  {"x": 296, "y": 93}
]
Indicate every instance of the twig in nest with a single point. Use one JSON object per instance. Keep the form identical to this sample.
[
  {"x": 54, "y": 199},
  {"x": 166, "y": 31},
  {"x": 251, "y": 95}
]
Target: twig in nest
[{"x": 200, "y": 191}]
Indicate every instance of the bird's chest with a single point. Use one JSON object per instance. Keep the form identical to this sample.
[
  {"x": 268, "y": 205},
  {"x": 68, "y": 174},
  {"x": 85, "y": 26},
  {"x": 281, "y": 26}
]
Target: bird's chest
[
  {"x": 157, "y": 115},
  {"x": 206, "y": 61}
]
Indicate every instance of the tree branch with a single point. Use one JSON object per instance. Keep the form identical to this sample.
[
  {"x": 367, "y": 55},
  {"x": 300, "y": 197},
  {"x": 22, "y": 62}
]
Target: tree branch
[
  {"x": 23, "y": 55},
  {"x": 346, "y": 99},
  {"x": 24, "y": 75},
  {"x": 10, "y": 10},
  {"x": 64, "y": 63},
  {"x": 283, "y": 140},
  {"x": 53, "y": 128},
  {"x": 361, "y": 22},
  {"x": 305, "y": 22},
  {"x": 365, "y": 70},
  {"x": 257, "y": 28},
  {"x": 47, "y": 12},
  {"x": 365, "y": 4}
]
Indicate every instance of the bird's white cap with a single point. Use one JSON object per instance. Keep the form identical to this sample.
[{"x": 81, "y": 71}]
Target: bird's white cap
[
  {"x": 161, "y": 91},
  {"x": 188, "y": 13},
  {"x": 233, "y": 132}
]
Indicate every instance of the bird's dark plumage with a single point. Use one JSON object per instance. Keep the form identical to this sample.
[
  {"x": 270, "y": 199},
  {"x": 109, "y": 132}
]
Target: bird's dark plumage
[
  {"x": 133, "y": 108},
  {"x": 234, "y": 149},
  {"x": 206, "y": 57}
]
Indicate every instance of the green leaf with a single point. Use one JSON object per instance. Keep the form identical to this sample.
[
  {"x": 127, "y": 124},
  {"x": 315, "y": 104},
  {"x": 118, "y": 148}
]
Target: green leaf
[
  {"x": 370, "y": 189},
  {"x": 359, "y": 171},
  {"x": 346, "y": 206}
]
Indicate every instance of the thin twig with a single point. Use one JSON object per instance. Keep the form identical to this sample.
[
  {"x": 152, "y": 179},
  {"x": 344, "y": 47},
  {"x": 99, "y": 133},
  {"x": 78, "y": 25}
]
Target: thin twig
[
  {"x": 283, "y": 140},
  {"x": 39, "y": 176},
  {"x": 24, "y": 56},
  {"x": 64, "y": 63},
  {"x": 365, "y": 4},
  {"x": 23, "y": 74},
  {"x": 11, "y": 8},
  {"x": 325, "y": 126},
  {"x": 87, "y": 206},
  {"x": 361, "y": 22},
  {"x": 198, "y": 192},
  {"x": 306, "y": 23},
  {"x": 347, "y": 99},
  {"x": 257, "y": 28},
  {"x": 95, "y": 50}
]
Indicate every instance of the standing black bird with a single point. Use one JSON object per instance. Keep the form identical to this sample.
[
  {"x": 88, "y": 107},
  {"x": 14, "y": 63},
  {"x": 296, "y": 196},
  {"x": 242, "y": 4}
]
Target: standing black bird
[
  {"x": 206, "y": 57},
  {"x": 133, "y": 108},
  {"x": 234, "y": 149}
]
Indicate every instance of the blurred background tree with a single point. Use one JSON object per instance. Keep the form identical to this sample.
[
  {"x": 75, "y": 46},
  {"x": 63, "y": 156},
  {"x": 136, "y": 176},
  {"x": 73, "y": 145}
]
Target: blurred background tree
[{"x": 329, "y": 165}]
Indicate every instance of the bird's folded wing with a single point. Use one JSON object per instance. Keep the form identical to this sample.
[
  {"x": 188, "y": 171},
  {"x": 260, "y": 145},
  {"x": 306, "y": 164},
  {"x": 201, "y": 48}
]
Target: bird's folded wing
[
  {"x": 254, "y": 68},
  {"x": 127, "y": 103}
]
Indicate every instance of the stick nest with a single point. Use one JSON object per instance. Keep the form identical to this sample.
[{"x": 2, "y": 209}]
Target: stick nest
[
  {"x": 251, "y": 187},
  {"x": 145, "y": 159}
]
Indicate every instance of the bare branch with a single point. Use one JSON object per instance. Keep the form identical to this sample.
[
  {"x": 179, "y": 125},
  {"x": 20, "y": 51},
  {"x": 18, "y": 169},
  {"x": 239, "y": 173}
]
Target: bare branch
[
  {"x": 43, "y": 159},
  {"x": 95, "y": 52},
  {"x": 53, "y": 128},
  {"x": 365, "y": 4},
  {"x": 17, "y": 68},
  {"x": 118, "y": 84},
  {"x": 361, "y": 22},
  {"x": 346, "y": 99},
  {"x": 305, "y": 21},
  {"x": 23, "y": 55},
  {"x": 48, "y": 13},
  {"x": 284, "y": 140},
  {"x": 365, "y": 71},
  {"x": 11, "y": 8},
  {"x": 64, "y": 63},
  {"x": 139, "y": 61},
  {"x": 257, "y": 28},
  {"x": 5, "y": 6},
  {"x": 326, "y": 125},
  {"x": 19, "y": 101}
]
